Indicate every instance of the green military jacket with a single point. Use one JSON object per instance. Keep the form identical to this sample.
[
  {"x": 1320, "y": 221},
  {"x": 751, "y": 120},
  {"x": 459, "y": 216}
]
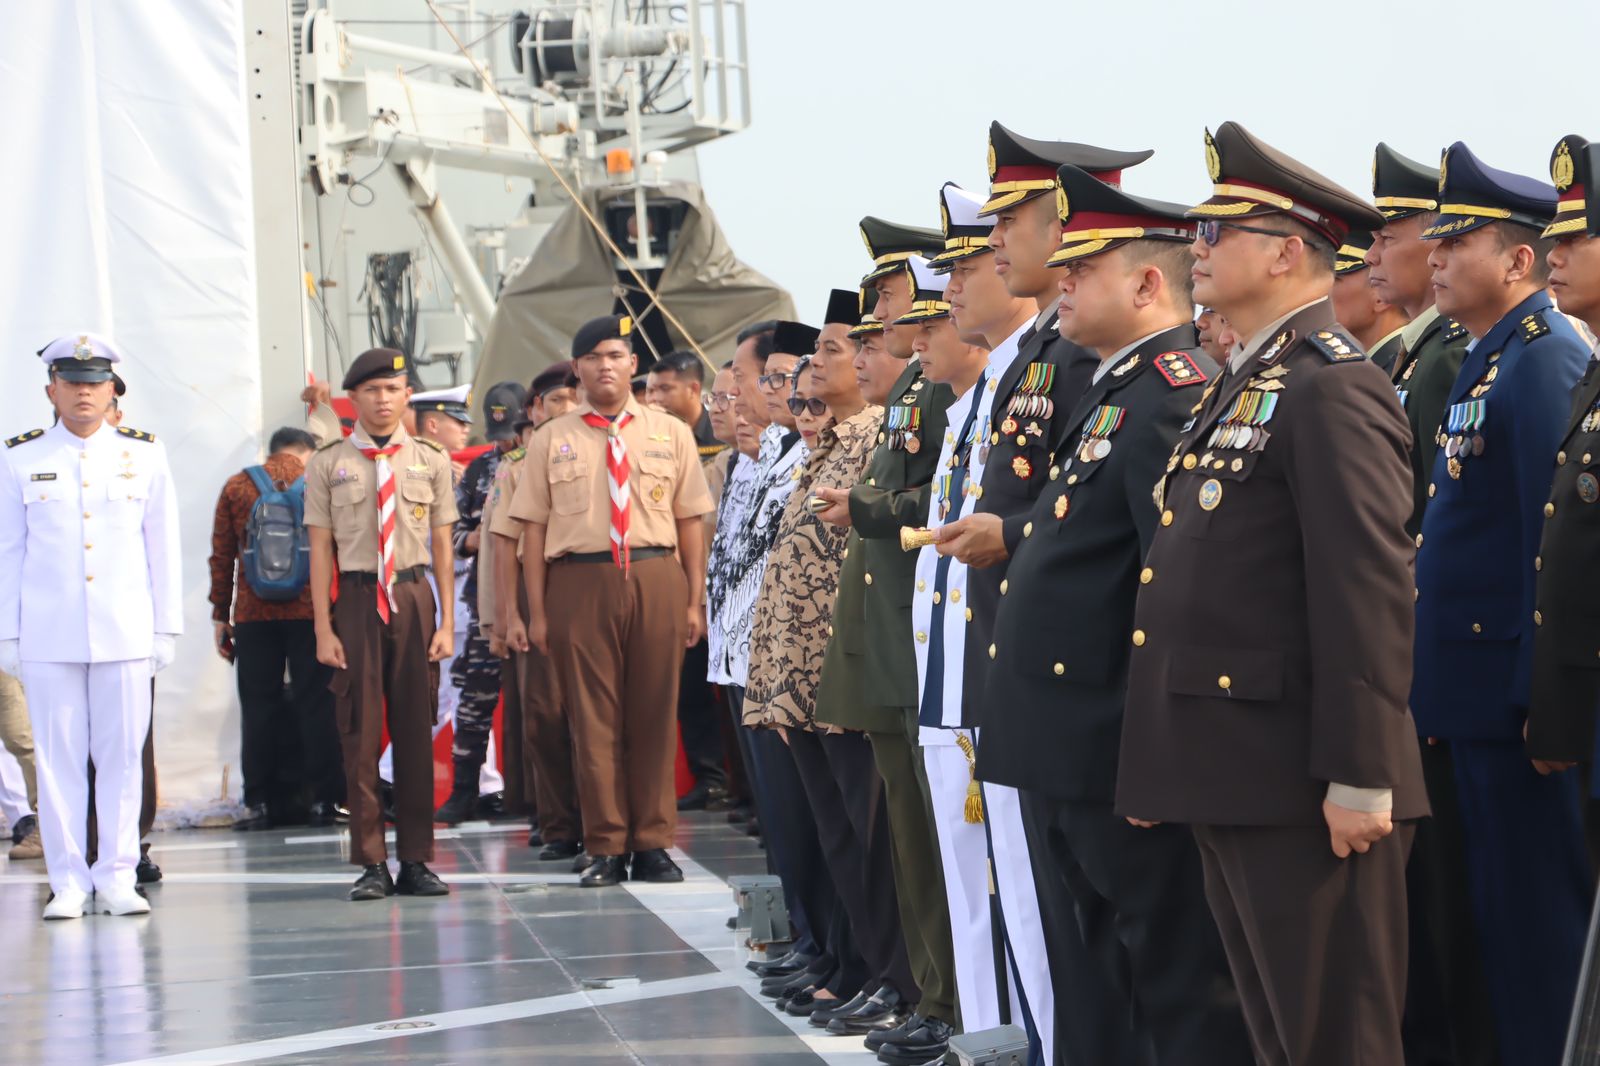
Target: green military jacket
[
  {"x": 1423, "y": 378},
  {"x": 869, "y": 673}
]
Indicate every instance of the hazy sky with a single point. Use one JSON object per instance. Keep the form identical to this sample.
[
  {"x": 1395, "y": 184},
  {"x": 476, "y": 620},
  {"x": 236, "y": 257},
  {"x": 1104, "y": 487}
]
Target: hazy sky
[{"x": 868, "y": 106}]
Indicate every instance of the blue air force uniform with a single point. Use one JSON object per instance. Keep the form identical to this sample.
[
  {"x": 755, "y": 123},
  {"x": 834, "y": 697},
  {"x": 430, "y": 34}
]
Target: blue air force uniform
[{"x": 1528, "y": 875}]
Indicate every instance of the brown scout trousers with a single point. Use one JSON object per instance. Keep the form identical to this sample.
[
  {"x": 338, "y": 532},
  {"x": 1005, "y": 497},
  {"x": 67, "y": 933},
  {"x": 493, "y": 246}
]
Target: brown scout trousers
[
  {"x": 533, "y": 700},
  {"x": 388, "y": 668},
  {"x": 617, "y": 643}
]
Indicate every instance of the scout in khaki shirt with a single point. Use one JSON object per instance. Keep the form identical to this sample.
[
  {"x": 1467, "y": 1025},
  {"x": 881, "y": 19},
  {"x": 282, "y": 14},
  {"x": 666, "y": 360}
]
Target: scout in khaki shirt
[
  {"x": 612, "y": 497},
  {"x": 546, "y": 734},
  {"x": 380, "y": 502}
]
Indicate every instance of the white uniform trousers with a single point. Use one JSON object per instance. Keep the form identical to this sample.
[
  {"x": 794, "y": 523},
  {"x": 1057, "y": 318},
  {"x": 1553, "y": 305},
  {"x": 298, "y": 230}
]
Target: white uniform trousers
[
  {"x": 14, "y": 805},
  {"x": 1019, "y": 905},
  {"x": 84, "y": 711},
  {"x": 964, "y": 854}
]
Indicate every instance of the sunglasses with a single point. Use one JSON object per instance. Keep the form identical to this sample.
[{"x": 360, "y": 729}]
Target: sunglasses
[
  {"x": 1210, "y": 231},
  {"x": 817, "y": 407},
  {"x": 721, "y": 401}
]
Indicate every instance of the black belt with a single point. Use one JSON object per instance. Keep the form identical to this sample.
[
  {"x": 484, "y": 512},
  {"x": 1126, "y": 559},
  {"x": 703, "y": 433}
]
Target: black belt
[
  {"x": 361, "y": 577},
  {"x": 605, "y": 557}
]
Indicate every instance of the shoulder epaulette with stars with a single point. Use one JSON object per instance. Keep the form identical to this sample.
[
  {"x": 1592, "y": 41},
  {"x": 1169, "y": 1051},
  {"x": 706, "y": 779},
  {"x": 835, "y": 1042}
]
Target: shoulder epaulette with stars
[
  {"x": 435, "y": 445},
  {"x": 1453, "y": 331},
  {"x": 1534, "y": 326},
  {"x": 1335, "y": 347},
  {"x": 135, "y": 434},
  {"x": 514, "y": 455},
  {"x": 23, "y": 438},
  {"x": 1179, "y": 370}
]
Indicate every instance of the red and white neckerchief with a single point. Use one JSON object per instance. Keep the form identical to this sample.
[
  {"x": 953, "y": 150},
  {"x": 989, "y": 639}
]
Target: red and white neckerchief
[
  {"x": 380, "y": 459},
  {"x": 617, "y": 482}
]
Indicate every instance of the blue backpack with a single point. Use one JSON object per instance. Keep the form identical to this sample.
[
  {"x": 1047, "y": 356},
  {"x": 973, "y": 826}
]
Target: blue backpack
[{"x": 277, "y": 553}]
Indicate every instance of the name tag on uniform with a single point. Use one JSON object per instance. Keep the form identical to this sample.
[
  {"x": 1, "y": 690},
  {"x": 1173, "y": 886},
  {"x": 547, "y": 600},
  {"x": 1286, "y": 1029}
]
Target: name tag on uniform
[
  {"x": 656, "y": 453},
  {"x": 564, "y": 455},
  {"x": 42, "y": 477},
  {"x": 421, "y": 474}
]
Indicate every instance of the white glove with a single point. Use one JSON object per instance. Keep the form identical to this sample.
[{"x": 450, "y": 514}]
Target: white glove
[
  {"x": 11, "y": 657},
  {"x": 163, "y": 650}
]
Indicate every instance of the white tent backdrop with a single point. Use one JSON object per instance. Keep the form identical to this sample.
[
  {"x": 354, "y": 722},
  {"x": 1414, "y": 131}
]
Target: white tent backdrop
[{"x": 126, "y": 191}]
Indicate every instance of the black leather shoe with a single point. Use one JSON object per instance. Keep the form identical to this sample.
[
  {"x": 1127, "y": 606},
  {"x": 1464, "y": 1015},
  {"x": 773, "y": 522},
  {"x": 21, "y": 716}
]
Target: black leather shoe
[
  {"x": 876, "y": 1038},
  {"x": 581, "y": 861},
  {"x": 778, "y": 987},
  {"x": 913, "y": 1047},
  {"x": 374, "y": 883},
  {"x": 557, "y": 850},
  {"x": 739, "y": 815},
  {"x": 752, "y": 828},
  {"x": 492, "y": 805},
  {"x": 254, "y": 817},
  {"x": 828, "y": 1009},
  {"x": 805, "y": 1003},
  {"x": 322, "y": 815},
  {"x": 147, "y": 872},
  {"x": 417, "y": 880},
  {"x": 884, "y": 1009},
  {"x": 695, "y": 798},
  {"x": 605, "y": 871},
  {"x": 793, "y": 962},
  {"x": 656, "y": 866},
  {"x": 24, "y": 826},
  {"x": 535, "y": 838},
  {"x": 719, "y": 799}
]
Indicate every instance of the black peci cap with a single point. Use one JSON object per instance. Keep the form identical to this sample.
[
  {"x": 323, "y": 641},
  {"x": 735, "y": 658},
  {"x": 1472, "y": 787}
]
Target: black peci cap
[
  {"x": 844, "y": 306},
  {"x": 795, "y": 338}
]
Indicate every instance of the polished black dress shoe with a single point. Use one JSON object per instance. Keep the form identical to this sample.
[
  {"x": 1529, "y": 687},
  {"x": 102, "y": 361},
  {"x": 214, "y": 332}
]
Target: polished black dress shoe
[
  {"x": 254, "y": 817},
  {"x": 656, "y": 866},
  {"x": 876, "y": 1038},
  {"x": 147, "y": 872},
  {"x": 535, "y": 838},
  {"x": 557, "y": 850},
  {"x": 417, "y": 880},
  {"x": 581, "y": 861},
  {"x": 322, "y": 815},
  {"x": 605, "y": 871},
  {"x": 492, "y": 805},
  {"x": 780, "y": 986},
  {"x": 695, "y": 798},
  {"x": 828, "y": 1009},
  {"x": 719, "y": 799},
  {"x": 884, "y": 1009},
  {"x": 783, "y": 965},
  {"x": 913, "y": 1047},
  {"x": 374, "y": 883},
  {"x": 805, "y": 1003}
]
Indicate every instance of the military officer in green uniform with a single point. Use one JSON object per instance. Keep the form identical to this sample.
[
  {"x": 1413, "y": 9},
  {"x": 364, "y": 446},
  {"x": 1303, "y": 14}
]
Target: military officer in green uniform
[{"x": 869, "y": 673}]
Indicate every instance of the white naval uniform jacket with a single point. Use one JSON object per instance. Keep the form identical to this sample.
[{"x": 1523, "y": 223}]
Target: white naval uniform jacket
[
  {"x": 954, "y": 634},
  {"x": 90, "y": 568}
]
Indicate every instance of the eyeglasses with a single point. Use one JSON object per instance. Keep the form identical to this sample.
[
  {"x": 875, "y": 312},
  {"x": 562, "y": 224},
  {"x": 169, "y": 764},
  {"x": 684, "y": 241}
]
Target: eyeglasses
[
  {"x": 721, "y": 401},
  {"x": 1210, "y": 231},
  {"x": 817, "y": 407},
  {"x": 774, "y": 381}
]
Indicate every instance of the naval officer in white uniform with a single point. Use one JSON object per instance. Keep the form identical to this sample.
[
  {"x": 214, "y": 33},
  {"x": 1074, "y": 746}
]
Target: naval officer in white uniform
[{"x": 89, "y": 609}]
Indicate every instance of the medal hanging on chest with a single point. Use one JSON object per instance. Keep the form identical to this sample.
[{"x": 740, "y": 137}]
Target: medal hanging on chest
[
  {"x": 942, "y": 491},
  {"x": 902, "y": 425},
  {"x": 1241, "y": 426},
  {"x": 1463, "y": 434},
  {"x": 1032, "y": 397},
  {"x": 1095, "y": 444}
]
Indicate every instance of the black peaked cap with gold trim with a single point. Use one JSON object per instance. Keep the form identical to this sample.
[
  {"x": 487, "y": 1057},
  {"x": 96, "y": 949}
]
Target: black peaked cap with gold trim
[
  {"x": 890, "y": 244},
  {"x": 1401, "y": 186},
  {"x": 928, "y": 301},
  {"x": 966, "y": 230},
  {"x": 1251, "y": 178},
  {"x": 1352, "y": 254},
  {"x": 869, "y": 321},
  {"x": 1024, "y": 168},
  {"x": 1571, "y": 168},
  {"x": 1096, "y": 217},
  {"x": 1473, "y": 194}
]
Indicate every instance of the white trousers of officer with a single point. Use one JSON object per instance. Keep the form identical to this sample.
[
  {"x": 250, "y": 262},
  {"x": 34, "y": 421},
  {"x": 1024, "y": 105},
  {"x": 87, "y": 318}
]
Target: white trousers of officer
[
  {"x": 1019, "y": 904},
  {"x": 84, "y": 711},
  {"x": 13, "y": 790}
]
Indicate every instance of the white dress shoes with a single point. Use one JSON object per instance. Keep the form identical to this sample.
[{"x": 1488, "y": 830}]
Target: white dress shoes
[
  {"x": 68, "y": 903},
  {"x": 121, "y": 901}
]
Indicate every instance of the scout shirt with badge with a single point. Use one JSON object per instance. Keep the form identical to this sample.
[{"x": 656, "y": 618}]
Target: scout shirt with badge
[
  {"x": 1566, "y": 645},
  {"x": 872, "y": 613},
  {"x": 89, "y": 527},
  {"x": 1280, "y": 622},
  {"x": 342, "y": 495},
  {"x": 1053, "y": 723},
  {"x": 1489, "y": 492},
  {"x": 495, "y": 520},
  {"x": 564, "y": 486}
]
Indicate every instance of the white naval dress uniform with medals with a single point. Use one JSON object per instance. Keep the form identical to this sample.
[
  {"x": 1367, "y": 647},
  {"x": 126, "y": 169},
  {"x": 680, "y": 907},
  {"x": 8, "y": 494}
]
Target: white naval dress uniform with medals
[
  {"x": 91, "y": 596},
  {"x": 964, "y": 847}
]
